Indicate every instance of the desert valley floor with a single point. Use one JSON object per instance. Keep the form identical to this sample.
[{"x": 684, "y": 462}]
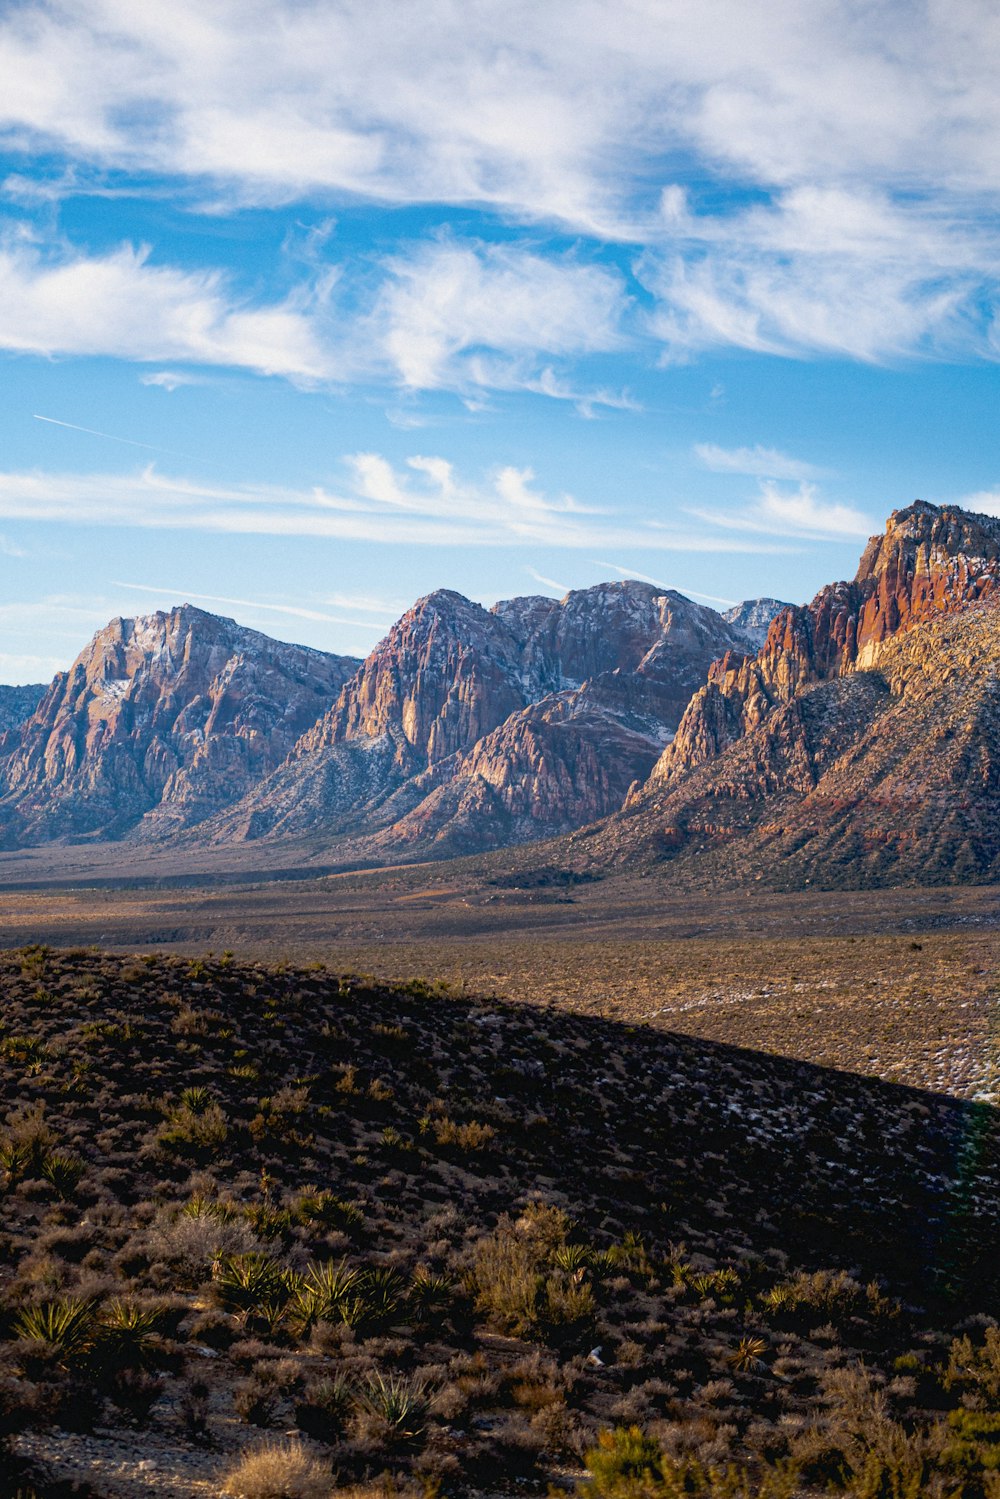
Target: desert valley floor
[{"x": 900, "y": 984}]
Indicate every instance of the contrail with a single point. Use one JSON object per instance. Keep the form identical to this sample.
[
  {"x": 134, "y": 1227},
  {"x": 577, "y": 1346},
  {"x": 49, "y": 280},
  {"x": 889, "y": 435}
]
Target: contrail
[{"x": 55, "y": 422}]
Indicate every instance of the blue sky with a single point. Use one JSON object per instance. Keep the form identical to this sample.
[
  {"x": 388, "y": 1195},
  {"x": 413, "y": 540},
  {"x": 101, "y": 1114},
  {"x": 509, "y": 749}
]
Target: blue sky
[{"x": 307, "y": 308}]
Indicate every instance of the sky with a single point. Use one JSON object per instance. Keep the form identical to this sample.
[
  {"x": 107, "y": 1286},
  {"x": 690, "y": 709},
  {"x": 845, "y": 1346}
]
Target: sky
[{"x": 309, "y": 307}]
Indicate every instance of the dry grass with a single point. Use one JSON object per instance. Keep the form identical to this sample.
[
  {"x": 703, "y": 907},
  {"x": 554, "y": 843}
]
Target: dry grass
[{"x": 278, "y": 1470}]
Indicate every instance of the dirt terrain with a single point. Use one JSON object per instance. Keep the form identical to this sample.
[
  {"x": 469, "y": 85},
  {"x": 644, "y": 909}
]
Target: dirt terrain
[{"x": 896, "y": 984}]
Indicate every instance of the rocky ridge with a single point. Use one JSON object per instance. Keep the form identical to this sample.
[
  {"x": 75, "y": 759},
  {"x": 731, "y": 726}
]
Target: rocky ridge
[
  {"x": 160, "y": 721},
  {"x": 469, "y": 728},
  {"x": 18, "y": 704},
  {"x": 860, "y": 745}
]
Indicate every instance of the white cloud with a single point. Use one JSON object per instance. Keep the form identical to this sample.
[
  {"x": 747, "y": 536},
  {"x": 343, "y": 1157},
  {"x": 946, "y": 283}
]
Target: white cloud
[
  {"x": 983, "y": 502},
  {"x": 170, "y": 380},
  {"x": 560, "y": 588},
  {"x": 867, "y": 136},
  {"x": 758, "y": 462},
  {"x": 491, "y": 104},
  {"x": 425, "y": 503},
  {"x": 462, "y": 317},
  {"x": 821, "y": 270},
  {"x": 122, "y": 305},
  {"x": 445, "y": 304},
  {"x": 798, "y": 512}
]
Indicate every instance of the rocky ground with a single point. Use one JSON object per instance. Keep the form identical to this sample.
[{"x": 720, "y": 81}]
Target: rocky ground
[{"x": 242, "y": 1200}]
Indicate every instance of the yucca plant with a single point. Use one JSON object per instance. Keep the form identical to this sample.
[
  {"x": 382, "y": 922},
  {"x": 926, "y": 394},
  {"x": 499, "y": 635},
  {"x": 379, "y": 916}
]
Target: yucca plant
[
  {"x": 62, "y": 1171},
  {"x": 197, "y": 1099},
  {"x": 323, "y": 1207},
  {"x": 247, "y": 1283},
  {"x": 430, "y": 1293},
  {"x": 128, "y": 1333},
  {"x": 67, "y": 1324},
  {"x": 746, "y": 1356},
  {"x": 572, "y": 1257},
  {"x": 327, "y": 1292},
  {"x": 382, "y": 1292},
  {"x": 398, "y": 1402}
]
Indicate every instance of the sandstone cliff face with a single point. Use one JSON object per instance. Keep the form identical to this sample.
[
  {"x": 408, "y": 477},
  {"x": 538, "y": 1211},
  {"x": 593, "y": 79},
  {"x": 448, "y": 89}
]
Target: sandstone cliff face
[
  {"x": 860, "y": 745},
  {"x": 467, "y": 727},
  {"x": 930, "y": 562},
  {"x": 165, "y": 718},
  {"x": 885, "y": 775}
]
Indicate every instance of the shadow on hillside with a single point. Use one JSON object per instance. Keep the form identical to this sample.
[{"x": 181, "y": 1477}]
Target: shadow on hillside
[{"x": 737, "y": 1153}]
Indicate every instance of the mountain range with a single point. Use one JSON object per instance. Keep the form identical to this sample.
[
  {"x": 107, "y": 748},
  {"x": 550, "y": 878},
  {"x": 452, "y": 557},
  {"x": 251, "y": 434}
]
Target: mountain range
[{"x": 854, "y": 739}]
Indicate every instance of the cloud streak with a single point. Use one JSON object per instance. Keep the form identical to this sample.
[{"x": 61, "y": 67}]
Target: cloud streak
[
  {"x": 424, "y": 503},
  {"x": 801, "y": 511}
]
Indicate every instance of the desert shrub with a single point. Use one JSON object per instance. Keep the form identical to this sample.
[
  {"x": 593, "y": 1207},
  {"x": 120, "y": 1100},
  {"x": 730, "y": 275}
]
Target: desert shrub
[
  {"x": 24, "y": 1145},
  {"x": 255, "y": 1401},
  {"x": 975, "y": 1367},
  {"x": 135, "y": 1391},
  {"x": 279, "y": 1470},
  {"x": 621, "y": 1455},
  {"x": 194, "y": 1132},
  {"x": 519, "y": 1285},
  {"x": 323, "y": 1410},
  {"x": 822, "y": 1295},
  {"x": 194, "y": 1409},
  {"x": 508, "y": 1280},
  {"x": 195, "y": 1238},
  {"x": 626, "y": 1464}
]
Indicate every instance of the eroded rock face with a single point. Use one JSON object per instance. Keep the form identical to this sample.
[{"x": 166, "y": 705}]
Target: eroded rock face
[
  {"x": 470, "y": 727},
  {"x": 930, "y": 562},
  {"x": 860, "y": 745},
  {"x": 164, "y": 719},
  {"x": 17, "y": 704}
]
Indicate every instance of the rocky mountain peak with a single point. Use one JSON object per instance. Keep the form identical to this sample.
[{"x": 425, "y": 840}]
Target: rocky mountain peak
[{"x": 167, "y": 715}]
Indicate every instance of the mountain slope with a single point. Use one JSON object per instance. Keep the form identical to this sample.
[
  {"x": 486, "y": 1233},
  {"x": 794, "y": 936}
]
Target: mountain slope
[
  {"x": 467, "y": 728},
  {"x": 18, "y": 703},
  {"x": 860, "y": 745},
  {"x": 164, "y": 718}
]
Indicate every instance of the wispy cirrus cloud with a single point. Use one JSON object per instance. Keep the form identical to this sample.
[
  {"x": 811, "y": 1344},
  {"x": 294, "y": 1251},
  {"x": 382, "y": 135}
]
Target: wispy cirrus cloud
[
  {"x": 869, "y": 151},
  {"x": 65, "y": 302},
  {"x": 801, "y": 511},
  {"x": 757, "y": 462},
  {"x": 422, "y": 503}
]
